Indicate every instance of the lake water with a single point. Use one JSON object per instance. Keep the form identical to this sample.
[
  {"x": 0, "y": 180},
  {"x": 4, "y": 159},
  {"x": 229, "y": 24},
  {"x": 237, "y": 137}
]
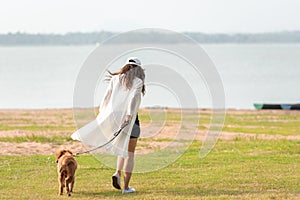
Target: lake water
[{"x": 44, "y": 76}]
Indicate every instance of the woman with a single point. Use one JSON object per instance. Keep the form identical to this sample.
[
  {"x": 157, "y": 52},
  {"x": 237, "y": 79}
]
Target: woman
[{"x": 117, "y": 110}]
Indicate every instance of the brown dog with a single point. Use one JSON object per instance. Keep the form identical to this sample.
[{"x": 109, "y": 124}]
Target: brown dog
[{"x": 66, "y": 167}]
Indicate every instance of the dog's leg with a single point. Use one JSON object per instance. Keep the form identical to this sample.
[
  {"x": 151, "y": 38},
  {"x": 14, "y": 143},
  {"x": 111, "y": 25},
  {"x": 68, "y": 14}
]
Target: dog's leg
[
  {"x": 67, "y": 187},
  {"x": 69, "y": 181},
  {"x": 72, "y": 184},
  {"x": 61, "y": 184}
]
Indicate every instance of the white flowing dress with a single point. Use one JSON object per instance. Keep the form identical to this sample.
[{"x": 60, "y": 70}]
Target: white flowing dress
[{"x": 117, "y": 103}]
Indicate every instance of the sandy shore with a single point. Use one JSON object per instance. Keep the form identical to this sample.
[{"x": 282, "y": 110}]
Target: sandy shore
[{"x": 60, "y": 122}]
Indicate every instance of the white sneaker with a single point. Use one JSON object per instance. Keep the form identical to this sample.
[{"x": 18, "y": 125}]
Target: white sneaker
[
  {"x": 129, "y": 190},
  {"x": 116, "y": 181}
]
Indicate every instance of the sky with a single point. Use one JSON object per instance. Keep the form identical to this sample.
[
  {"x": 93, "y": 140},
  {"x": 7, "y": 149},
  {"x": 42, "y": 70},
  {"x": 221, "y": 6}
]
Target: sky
[{"x": 208, "y": 16}]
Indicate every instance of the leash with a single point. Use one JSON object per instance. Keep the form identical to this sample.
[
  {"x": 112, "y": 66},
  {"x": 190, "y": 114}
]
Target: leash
[{"x": 98, "y": 147}]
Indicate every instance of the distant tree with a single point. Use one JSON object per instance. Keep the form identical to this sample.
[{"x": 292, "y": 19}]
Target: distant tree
[{"x": 79, "y": 38}]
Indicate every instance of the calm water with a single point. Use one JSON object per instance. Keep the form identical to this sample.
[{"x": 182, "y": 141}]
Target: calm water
[{"x": 44, "y": 77}]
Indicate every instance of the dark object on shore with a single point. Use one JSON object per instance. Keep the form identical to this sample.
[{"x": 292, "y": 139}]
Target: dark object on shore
[{"x": 277, "y": 106}]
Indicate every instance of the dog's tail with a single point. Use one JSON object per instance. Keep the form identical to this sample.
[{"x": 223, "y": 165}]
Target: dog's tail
[
  {"x": 70, "y": 171},
  {"x": 68, "y": 168}
]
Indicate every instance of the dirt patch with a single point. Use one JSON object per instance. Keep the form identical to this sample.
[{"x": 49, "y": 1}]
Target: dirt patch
[
  {"x": 258, "y": 112},
  {"x": 232, "y": 136},
  {"x": 150, "y": 147},
  {"x": 35, "y": 148},
  {"x": 24, "y": 133},
  {"x": 159, "y": 137}
]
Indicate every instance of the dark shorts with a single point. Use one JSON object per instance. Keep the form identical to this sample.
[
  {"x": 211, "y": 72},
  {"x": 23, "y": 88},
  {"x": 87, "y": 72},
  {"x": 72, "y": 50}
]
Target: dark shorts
[{"x": 136, "y": 131}]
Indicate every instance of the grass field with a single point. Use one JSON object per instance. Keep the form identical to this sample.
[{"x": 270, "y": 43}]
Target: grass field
[{"x": 240, "y": 168}]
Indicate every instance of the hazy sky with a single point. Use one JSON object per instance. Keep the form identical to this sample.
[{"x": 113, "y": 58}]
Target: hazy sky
[{"x": 211, "y": 16}]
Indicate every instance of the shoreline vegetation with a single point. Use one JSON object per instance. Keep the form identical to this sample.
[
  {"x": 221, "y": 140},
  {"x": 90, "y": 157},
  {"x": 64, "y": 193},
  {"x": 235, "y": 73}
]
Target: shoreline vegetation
[
  {"x": 255, "y": 157},
  {"x": 80, "y": 38}
]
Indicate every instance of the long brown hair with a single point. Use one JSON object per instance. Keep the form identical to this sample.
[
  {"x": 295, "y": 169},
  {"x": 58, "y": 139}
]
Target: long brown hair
[{"x": 130, "y": 71}]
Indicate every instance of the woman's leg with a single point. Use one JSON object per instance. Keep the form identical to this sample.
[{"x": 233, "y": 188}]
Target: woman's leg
[
  {"x": 129, "y": 162},
  {"x": 116, "y": 180},
  {"x": 120, "y": 164}
]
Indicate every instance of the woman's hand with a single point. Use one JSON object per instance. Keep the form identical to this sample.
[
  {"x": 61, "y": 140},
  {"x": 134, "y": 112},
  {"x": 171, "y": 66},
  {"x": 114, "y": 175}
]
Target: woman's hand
[{"x": 126, "y": 121}]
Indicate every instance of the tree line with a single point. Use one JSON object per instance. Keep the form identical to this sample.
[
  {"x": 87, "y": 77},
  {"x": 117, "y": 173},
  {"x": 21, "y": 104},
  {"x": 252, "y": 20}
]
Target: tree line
[{"x": 19, "y": 38}]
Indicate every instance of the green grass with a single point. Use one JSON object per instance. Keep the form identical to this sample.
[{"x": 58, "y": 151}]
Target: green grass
[
  {"x": 264, "y": 123},
  {"x": 36, "y": 128},
  {"x": 281, "y": 123},
  {"x": 55, "y": 139},
  {"x": 256, "y": 122},
  {"x": 238, "y": 169}
]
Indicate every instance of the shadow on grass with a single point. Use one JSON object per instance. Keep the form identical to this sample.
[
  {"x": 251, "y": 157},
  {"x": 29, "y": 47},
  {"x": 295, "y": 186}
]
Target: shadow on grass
[{"x": 98, "y": 194}]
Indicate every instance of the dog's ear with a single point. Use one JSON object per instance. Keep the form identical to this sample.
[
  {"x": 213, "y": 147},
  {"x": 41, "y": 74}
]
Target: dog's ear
[
  {"x": 70, "y": 152},
  {"x": 59, "y": 154}
]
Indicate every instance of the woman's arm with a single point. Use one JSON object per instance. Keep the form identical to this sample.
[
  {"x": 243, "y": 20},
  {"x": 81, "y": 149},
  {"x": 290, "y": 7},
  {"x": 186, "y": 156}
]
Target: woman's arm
[{"x": 107, "y": 95}]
